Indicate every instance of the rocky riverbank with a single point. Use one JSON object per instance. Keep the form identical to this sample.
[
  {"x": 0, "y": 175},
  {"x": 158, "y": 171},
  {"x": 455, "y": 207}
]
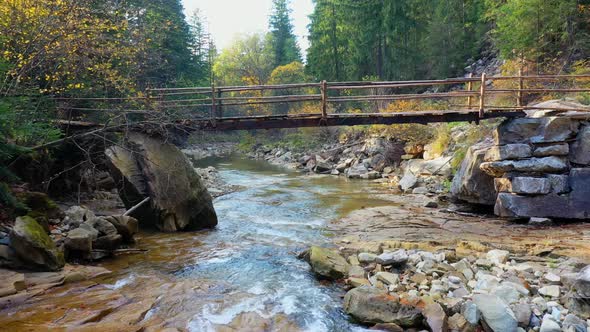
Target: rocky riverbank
[
  {"x": 403, "y": 290},
  {"x": 408, "y": 267}
]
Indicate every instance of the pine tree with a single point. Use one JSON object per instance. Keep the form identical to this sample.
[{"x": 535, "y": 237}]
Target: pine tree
[{"x": 283, "y": 40}]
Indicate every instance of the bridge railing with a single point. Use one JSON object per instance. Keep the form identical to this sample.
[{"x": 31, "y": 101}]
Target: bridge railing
[{"x": 324, "y": 99}]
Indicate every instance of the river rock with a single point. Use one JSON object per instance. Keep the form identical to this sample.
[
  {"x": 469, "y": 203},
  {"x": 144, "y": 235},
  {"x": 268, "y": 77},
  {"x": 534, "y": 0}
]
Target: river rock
[
  {"x": 471, "y": 313},
  {"x": 439, "y": 166},
  {"x": 496, "y": 313},
  {"x": 79, "y": 240},
  {"x": 355, "y": 172},
  {"x": 408, "y": 181},
  {"x": 436, "y": 318},
  {"x": 509, "y": 151},
  {"x": 328, "y": 263},
  {"x": 573, "y": 323},
  {"x": 551, "y": 291},
  {"x": 32, "y": 244},
  {"x": 578, "y": 297},
  {"x": 372, "y": 305},
  {"x": 471, "y": 184},
  {"x": 108, "y": 242},
  {"x": 387, "y": 327},
  {"x": 76, "y": 215},
  {"x": 102, "y": 226},
  {"x": 497, "y": 257},
  {"x": 550, "y": 325},
  {"x": 126, "y": 226},
  {"x": 398, "y": 257},
  {"x": 366, "y": 257},
  {"x": 522, "y": 312},
  {"x": 580, "y": 151},
  {"x": 149, "y": 167},
  {"x": 387, "y": 278}
]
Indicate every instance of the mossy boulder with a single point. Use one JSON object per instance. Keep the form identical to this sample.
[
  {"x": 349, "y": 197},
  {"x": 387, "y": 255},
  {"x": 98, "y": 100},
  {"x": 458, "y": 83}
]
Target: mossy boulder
[
  {"x": 34, "y": 247},
  {"x": 41, "y": 207},
  {"x": 152, "y": 167},
  {"x": 328, "y": 263}
]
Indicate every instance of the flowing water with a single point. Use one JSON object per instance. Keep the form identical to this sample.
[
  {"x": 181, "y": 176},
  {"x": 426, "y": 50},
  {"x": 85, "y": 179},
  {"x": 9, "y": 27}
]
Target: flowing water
[{"x": 244, "y": 275}]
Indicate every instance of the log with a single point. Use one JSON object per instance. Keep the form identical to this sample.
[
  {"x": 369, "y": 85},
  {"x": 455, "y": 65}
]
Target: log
[{"x": 136, "y": 206}]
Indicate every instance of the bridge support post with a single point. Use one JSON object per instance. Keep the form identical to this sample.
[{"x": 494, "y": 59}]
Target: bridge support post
[
  {"x": 482, "y": 92},
  {"x": 520, "y": 101},
  {"x": 324, "y": 88},
  {"x": 213, "y": 114},
  {"x": 469, "y": 88}
]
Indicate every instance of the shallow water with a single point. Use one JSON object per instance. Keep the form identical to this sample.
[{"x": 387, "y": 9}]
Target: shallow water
[{"x": 244, "y": 275}]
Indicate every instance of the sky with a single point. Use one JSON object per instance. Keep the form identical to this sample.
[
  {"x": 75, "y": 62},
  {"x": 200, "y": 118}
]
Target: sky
[{"x": 228, "y": 18}]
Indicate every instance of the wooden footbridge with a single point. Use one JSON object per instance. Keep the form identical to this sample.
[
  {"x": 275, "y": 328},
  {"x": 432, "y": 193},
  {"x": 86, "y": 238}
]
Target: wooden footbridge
[{"x": 323, "y": 104}]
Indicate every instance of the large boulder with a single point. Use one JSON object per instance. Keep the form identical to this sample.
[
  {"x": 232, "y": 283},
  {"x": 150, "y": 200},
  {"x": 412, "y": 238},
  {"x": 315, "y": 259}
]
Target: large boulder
[
  {"x": 34, "y": 247},
  {"x": 328, "y": 263},
  {"x": 150, "y": 167},
  {"x": 471, "y": 184},
  {"x": 371, "y": 305}
]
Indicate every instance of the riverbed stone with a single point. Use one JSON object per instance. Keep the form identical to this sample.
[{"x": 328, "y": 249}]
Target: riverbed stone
[
  {"x": 496, "y": 313},
  {"x": 34, "y": 247},
  {"x": 387, "y": 278},
  {"x": 438, "y": 166},
  {"x": 577, "y": 298},
  {"x": 522, "y": 312},
  {"x": 550, "y": 325},
  {"x": 366, "y": 257},
  {"x": 151, "y": 167},
  {"x": 470, "y": 311},
  {"x": 396, "y": 258},
  {"x": 471, "y": 184},
  {"x": 76, "y": 215},
  {"x": 356, "y": 171},
  {"x": 328, "y": 263},
  {"x": 497, "y": 256},
  {"x": 79, "y": 240},
  {"x": 408, "y": 181},
  {"x": 562, "y": 149},
  {"x": 436, "y": 317},
  {"x": 573, "y": 323},
  {"x": 371, "y": 305},
  {"x": 580, "y": 150},
  {"x": 551, "y": 291},
  {"x": 508, "y": 151},
  {"x": 126, "y": 226}
]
